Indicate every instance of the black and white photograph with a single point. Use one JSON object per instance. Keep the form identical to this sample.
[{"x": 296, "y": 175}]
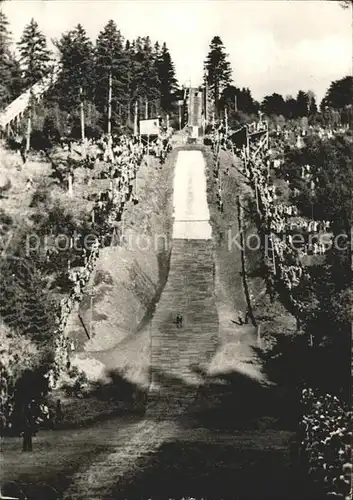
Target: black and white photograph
[{"x": 176, "y": 231}]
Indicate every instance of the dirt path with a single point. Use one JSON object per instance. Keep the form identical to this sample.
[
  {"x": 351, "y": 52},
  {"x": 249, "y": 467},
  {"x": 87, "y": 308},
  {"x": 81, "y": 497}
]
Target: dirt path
[
  {"x": 142, "y": 440},
  {"x": 58, "y": 454}
]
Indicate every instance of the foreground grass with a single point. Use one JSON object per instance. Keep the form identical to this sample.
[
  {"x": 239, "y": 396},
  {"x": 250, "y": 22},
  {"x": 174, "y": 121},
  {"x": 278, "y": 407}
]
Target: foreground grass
[
  {"x": 58, "y": 454},
  {"x": 212, "y": 471}
]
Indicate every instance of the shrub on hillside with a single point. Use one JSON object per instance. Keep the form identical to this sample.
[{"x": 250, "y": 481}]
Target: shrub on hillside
[
  {"x": 326, "y": 442},
  {"x": 18, "y": 357}
]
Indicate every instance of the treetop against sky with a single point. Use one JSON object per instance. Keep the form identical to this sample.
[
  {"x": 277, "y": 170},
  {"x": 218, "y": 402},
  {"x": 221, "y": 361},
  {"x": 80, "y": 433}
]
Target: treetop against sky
[{"x": 274, "y": 46}]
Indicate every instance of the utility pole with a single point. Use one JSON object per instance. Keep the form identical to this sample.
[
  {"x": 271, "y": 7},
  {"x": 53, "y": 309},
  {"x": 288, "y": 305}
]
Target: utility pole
[
  {"x": 273, "y": 255},
  {"x": 82, "y": 115},
  {"x": 29, "y": 128},
  {"x": 129, "y": 113},
  {"x": 135, "y": 119},
  {"x": 29, "y": 124},
  {"x": 226, "y": 120},
  {"x": 148, "y": 149},
  {"x": 257, "y": 199},
  {"x": 146, "y": 110},
  {"x": 70, "y": 182},
  {"x": 247, "y": 143},
  {"x": 206, "y": 99},
  {"x": 110, "y": 105},
  {"x": 242, "y": 256},
  {"x": 91, "y": 315}
]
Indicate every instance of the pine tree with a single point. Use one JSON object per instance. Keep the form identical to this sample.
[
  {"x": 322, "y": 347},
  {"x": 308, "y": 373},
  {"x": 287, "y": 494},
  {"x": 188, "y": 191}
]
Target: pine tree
[
  {"x": 111, "y": 62},
  {"x": 34, "y": 55},
  {"x": 25, "y": 304},
  {"x": 10, "y": 78},
  {"x": 291, "y": 108},
  {"x": 166, "y": 74},
  {"x": 239, "y": 99},
  {"x": 5, "y": 73},
  {"x": 273, "y": 105},
  {"x": 16, "y": 78},
  {"x": 76, "y": 79},
  {"x": 130, "y": 90},
  {"x": 312, "y": 103},
  {"x": 152, "y": 83},
  {"x": 138, "y": 84},
  {"x": 302, "y": 103},
  {"x": 145, "y": 79},
  {"x": 217, "y": 68},
  {"x": 339, "y": 94},
  {"x": 37, "y": 314}
]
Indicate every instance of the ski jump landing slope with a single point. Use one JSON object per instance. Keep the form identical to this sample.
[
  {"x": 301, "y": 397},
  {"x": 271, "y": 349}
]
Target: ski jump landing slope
[{"x": 189, "y": 291}]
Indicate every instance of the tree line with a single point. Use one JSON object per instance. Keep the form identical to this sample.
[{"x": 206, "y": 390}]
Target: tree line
[
  {"x": 138, "y": 74},
  {"x": 335, "y": 108}
]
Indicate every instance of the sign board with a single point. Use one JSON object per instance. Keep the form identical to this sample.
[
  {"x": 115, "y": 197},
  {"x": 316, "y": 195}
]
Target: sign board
[
  {"x": 180, "y": 102},
  {"x": 149, "y": 127}
]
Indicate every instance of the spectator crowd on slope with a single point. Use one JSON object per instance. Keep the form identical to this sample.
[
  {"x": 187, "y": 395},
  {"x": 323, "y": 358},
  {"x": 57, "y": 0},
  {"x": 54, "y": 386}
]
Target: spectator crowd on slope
[
  {"x": 326, "y": 446},
  {"x": 120, "y": 158},
  {"x": 326, "y": 424}
]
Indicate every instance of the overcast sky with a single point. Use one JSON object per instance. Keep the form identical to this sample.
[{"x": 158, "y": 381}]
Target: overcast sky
[{"x": 273, "y": 45}]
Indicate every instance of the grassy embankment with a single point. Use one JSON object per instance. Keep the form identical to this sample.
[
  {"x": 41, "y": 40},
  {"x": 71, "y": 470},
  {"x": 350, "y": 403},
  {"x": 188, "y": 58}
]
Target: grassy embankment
[{"x": 126, "y": 283}]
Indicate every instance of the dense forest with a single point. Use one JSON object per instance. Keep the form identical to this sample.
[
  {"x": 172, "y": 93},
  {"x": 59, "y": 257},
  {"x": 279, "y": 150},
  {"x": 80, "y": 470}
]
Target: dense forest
[{"x": 139, "y": 71}]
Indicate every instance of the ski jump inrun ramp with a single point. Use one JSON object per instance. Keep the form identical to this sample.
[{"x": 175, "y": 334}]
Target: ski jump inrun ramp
[{"x": 189, "y": 291}]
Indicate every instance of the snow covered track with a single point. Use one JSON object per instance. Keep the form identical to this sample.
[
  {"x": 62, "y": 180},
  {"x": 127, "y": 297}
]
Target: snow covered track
[
  {"x": 191, "y": 213},
  {"x": 189, "y": 291}
]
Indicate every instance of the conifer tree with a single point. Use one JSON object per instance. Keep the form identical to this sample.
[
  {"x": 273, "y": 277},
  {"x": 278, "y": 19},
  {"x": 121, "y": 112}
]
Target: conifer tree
[
  {"x": 111, "y": 63},
  {"x": 218, "y": 71},
  {"x": 166, "y": 75},
  {"x": 76, "y": 78},
  {"x": 145, "y": 81},
  {"x": 76, "y": 81},
  {"x": 150, "y": 74},
  {"x": 130, "y": 64},
  {"x": 25, "y": 304},
  {"x": 34, "y": 55},
  {"x": 339, "y": 94},
  {"x": 10, "y": 76},
  {"x": 239, "y": 99},
  {"x": 302, "y": 103},
  {"x": 273, "y": 104},
  {"x": 138, "y": 84},
  {"x": 38, "y": 315},
  {"x": 312, "y": 103}
]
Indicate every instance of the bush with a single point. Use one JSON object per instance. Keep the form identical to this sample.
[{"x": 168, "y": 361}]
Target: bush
[{"x": 326, "y": 428}]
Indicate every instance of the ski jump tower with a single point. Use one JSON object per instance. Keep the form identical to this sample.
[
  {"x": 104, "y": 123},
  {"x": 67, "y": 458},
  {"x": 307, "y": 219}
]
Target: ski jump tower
[{"x": 195, "y": 105}]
